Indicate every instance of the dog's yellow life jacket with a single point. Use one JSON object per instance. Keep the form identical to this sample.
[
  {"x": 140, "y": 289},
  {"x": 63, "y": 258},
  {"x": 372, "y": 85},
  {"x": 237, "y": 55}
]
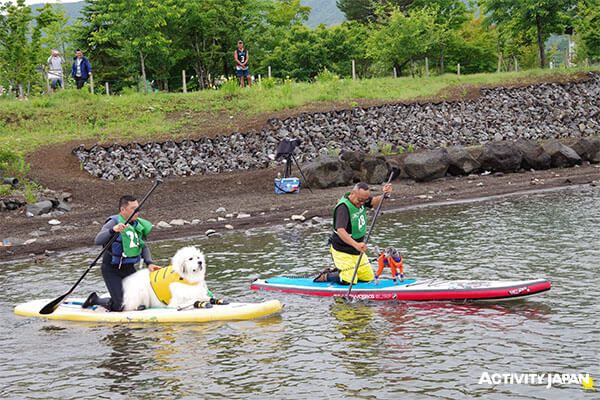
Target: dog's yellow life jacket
[{"x": 162, "y": 278}]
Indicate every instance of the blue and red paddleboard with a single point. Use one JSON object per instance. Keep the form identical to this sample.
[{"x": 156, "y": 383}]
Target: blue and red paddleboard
[{"x": 411, "y": 289}]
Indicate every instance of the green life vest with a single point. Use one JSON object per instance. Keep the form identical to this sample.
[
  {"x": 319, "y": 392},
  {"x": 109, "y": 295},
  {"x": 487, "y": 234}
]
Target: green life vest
[
  {"x": 132, "y": 237},
  {"x": 358, "y": 217}
]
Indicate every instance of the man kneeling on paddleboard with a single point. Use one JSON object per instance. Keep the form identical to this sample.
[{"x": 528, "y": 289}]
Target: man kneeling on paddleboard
[
  {"x": 126, "y": 251},
  {"x": 349, "y": 231}
]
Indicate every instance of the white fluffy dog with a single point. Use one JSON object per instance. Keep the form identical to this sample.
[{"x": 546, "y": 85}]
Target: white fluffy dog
[{"x": 188, "y": 263}]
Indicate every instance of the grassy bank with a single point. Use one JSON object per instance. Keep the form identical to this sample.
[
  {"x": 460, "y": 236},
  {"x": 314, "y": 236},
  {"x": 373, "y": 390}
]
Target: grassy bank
[{"x": 77, "y": 115}]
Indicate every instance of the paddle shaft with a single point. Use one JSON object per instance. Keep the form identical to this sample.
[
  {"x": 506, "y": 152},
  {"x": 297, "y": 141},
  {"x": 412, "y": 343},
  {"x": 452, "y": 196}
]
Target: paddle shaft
[
  {"x": 53, "y": 305},
  {"x": 368, "y": 236}
]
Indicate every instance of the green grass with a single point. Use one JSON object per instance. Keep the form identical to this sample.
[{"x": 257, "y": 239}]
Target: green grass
[{"x": 77, "y": 115}]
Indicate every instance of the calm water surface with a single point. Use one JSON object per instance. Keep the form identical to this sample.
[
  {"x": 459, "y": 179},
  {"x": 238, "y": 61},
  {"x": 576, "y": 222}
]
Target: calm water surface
[{"x": 323, "y": 348}]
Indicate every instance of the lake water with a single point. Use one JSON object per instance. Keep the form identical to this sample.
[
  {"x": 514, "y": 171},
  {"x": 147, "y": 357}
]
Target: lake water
[{"x": 326, "y": 348}]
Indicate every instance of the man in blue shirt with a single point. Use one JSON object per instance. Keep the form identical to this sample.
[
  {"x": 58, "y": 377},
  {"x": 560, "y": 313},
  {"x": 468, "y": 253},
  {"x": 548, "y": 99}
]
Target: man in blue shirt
[{"x": 81, "y": 69}]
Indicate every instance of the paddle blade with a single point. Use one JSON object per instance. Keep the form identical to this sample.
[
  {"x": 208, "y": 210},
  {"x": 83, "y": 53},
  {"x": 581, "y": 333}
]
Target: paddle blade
[{"x": 53, "y": 305}]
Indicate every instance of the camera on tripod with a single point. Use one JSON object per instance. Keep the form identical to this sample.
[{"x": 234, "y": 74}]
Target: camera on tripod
[{"x": 285, "y": 151}]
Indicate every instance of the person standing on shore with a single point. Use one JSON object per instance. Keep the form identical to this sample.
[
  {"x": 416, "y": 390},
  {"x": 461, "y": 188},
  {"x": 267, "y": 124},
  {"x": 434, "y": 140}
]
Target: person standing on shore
[
  {"x": 126, "y": 251},
  {"x": 55, "y": 70},
  {"x": 241, "y": 57},
  {"x": 81, "y": 69},
  {"x": 349, "y": 231}
]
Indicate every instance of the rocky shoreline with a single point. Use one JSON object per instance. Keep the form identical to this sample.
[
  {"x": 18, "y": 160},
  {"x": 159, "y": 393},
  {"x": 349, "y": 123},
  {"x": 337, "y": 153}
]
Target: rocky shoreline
[
  {"x": 535, "y": 112},
  {"x": 35, "y": 238}
]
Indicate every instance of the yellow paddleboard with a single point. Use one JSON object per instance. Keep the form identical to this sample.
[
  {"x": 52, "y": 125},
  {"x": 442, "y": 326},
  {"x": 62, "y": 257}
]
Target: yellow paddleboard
[{"x": 70, "y": 310}]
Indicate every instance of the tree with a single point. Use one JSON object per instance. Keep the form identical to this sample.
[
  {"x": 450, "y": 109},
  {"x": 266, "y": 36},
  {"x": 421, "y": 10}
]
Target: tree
[
  {"x": 57, "y": 32},
  {"x": 474, "y": 48},
  {"x": 403, "y": 39},
  {"x": 20, "y": 41},
  {"x": 366, "y": 11},
  {"x": 587, "y": 29},
  {"x": 539, "y": 17},
  {"x": 139, "y": 28}
]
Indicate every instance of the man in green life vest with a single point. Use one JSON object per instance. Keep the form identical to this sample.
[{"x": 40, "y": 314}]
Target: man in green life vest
[
  {"x": 126, "y": 251},
  {"x": 349, "y": 231}
]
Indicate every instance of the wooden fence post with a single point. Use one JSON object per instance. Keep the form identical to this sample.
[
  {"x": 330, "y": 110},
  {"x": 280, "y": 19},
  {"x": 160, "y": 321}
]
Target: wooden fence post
[
  {"x": 107, "y": 88},
  {"x": 183, "y": 81},
  {"x": 395, "y": 73},
  {"x": 426, "y": 67},
  {"x": 269, "y": 71},
  {"x": 458, "y": 69},
  {"x": 92, "y": 83},
  {"x": 353, "y": 70}
]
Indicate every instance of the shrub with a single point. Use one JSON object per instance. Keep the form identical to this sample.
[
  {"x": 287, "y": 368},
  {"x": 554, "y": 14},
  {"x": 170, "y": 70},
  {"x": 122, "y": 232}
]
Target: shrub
[{"x": 12, "y": 164}]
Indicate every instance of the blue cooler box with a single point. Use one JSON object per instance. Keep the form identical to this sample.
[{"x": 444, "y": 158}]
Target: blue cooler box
[{"x": 287, "y": 185}]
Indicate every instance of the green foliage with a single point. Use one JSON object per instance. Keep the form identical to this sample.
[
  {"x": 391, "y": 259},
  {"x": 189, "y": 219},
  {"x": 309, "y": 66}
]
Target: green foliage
[
  {"x": 404, "y": 38},
  {"x": 5, "y": 190},
  {"x": 30, "y": 191},
  {"x": 326, "y": 76},
  {"x": 529, "y": 21},
  {"x": 12, "y": 164},
  {"x": 302, "y": 53},
  {"x": 230, "y": 87},
  {"x": 333, "y": 151},
  {"x": 410, "y": 148},
  {"x": 387, "y": 149},
  {"x": 267, "y": 83},
  {"x": 587, "y": 27},
  {"x": 474, "y": 48}
]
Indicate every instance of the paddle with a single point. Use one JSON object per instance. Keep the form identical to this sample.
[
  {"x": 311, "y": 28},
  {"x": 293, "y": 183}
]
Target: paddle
[
  {"x": 53, "y": 305},
  {"x": 393, "y": 174}
]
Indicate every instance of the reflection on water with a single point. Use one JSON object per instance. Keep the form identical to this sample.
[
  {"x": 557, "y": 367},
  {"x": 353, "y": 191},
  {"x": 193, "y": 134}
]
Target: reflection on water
[{"x": 329, "y": 348}]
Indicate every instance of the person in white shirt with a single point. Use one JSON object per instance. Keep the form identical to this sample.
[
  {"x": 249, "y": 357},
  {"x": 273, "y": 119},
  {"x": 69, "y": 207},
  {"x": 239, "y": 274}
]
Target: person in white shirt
[{"x": 55, "y": 69}]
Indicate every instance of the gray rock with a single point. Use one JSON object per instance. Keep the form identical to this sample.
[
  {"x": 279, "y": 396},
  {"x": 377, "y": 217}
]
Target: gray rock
[
  {"x": 39, "y": 208},
  {"x": 354, "y": 159},
  {"x": 374, "y": 170},
  {"x": 328, "y": 172},
  {"x": 533, "y": 155},
  {"x": 177, "y": 222},
  {"x": 318, "y": 220},
  {"x": 163, "y": 225},
  {"x": 427, "y": 165},
  {"x": 221, "y": 210},
  {"x": 243, "y": 215},
  {"x": 562, "y": 156},
  {"x": 587, "y": 148},
  {"x": 500, "y": 157},
  {"x": 63, "y": 206},
  {"x": 461, "y": 162}
]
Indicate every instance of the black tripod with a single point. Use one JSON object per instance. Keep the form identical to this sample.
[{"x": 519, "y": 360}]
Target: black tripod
[{"x": 285, "y": 150}]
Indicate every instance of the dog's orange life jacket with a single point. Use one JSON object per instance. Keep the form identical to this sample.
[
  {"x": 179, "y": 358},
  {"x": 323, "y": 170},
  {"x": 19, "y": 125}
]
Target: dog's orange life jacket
[
  {"x": 396, "y": 266},
  {"x": 162, "y": 278}
]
